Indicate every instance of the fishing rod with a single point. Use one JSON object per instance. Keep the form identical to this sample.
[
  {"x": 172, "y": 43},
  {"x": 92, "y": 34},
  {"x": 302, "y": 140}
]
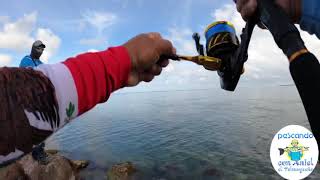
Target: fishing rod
[
  {"x": 304, "y": 66},
  {"x": 222, "y": 44}
]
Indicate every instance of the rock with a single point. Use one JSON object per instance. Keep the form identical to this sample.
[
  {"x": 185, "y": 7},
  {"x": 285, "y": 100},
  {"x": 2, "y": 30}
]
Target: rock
[
  {"x": 121, "y": 171},
  {"x": 13, "y": 172},
  {"x": 79, "y": 164},
  {"x": 51, "y": 151},
  {"x": 58, "y": 168}
]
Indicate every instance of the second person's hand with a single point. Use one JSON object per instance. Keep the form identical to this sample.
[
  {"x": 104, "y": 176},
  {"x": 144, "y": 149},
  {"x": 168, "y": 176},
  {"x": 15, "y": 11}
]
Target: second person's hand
[{"x": 247, "y": 8}]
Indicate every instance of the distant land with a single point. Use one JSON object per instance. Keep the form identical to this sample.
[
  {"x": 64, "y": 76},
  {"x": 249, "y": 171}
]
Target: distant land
[{"x": 286, "y": 84}]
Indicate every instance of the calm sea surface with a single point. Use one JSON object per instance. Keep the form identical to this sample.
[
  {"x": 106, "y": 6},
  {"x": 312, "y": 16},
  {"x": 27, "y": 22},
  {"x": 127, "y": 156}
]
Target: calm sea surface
[{"x": 191, "y": 134}]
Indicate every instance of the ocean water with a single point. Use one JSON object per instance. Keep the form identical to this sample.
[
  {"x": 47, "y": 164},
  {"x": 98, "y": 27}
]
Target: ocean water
[{"x": 184, "y": 134}]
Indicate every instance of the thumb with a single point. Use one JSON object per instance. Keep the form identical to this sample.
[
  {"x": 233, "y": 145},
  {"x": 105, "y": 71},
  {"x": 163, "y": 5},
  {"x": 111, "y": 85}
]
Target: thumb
[{"x": 165, "y": 47}]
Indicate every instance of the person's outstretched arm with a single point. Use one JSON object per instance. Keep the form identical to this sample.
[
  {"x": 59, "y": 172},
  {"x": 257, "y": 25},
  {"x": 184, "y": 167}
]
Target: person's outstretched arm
[{"x": 40, "y": 101}]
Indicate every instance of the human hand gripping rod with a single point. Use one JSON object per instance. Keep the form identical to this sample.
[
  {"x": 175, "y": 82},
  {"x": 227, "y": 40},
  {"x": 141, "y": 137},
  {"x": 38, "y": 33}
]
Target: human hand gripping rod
[{"x": 304, "y": 66}]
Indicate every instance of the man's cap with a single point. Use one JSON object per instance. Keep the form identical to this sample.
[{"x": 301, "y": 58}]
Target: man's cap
[{"x": 38, "y": 43}]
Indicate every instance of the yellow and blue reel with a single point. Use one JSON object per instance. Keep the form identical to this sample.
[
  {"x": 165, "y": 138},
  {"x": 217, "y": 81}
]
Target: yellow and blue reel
[{"x": 221, "y": 39}]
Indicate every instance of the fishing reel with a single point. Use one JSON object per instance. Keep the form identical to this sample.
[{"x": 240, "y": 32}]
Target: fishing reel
[
  {"x": 223, "y": 43},
  {"x": 226, "y": 55},
  {"x": 223, "y": 54}
]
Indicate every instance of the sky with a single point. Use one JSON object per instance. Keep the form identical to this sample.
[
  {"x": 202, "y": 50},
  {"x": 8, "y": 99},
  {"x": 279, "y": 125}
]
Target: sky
[{"x": 72, "y": 27}]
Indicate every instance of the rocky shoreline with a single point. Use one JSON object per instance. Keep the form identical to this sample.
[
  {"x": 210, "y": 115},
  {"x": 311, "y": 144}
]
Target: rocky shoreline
[
  {"x": 58, "y": 167},
  {"x": 61, "y": 168}
]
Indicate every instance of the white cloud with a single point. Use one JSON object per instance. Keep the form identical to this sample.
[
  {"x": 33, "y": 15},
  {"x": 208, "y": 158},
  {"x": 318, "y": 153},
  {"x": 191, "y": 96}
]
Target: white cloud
[
  {"x": 5, "y": 60},
  {"x": 229, "y": 13},
  {"x": 170, "y": 68},
  {"x": 182, "y": 72},
  {"x": 99, "y": 20},
  {"x": 16, "y": 35},
  {"x": 93, "y": 41},
  {"x": 182, "y": 40},
  {"x": 19, "y": 36},
  {"x": 92, "y": 50},
  {"x": 312, "y": 43},
  {"x": 51, "y": 41}
]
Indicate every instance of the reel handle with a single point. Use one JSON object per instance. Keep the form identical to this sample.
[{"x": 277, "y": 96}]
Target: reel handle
[{"x": 199, "y": 47}]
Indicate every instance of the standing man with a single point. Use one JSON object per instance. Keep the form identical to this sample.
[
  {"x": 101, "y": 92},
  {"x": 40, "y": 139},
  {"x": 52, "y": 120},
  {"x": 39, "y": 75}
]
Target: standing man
[{"x": 33, "y": 59}]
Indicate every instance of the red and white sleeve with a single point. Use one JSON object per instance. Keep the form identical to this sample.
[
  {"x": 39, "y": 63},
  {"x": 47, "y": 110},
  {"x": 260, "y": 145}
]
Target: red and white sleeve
[{"x": 83, "y": 81}]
